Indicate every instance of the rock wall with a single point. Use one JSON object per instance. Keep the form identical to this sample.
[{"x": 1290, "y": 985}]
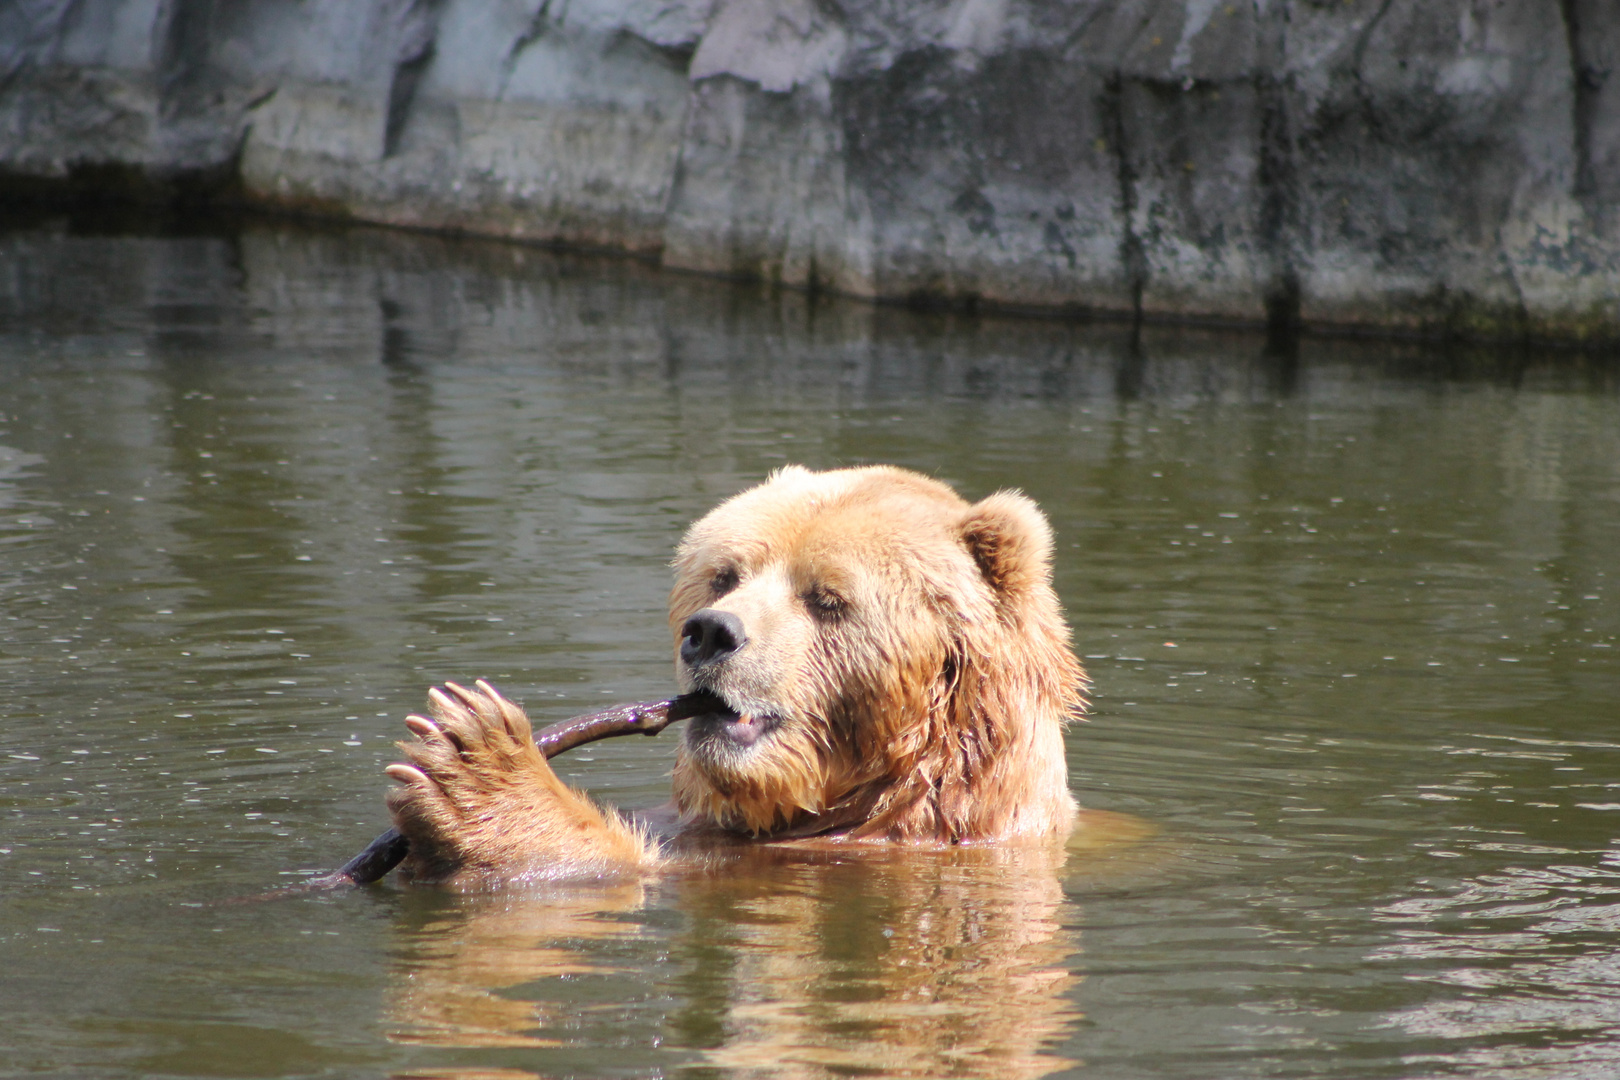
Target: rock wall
[{"x": 1426, "y": 165}]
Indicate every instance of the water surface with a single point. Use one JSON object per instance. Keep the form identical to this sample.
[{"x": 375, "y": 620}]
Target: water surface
[{"x": 1350, "y": 610}]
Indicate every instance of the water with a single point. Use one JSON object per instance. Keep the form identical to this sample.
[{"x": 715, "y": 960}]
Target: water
[{"x": 1352, "y": 615}]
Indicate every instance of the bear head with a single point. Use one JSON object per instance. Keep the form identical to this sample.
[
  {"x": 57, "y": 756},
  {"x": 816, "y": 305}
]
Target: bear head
[{"x": 884, "y": 659}]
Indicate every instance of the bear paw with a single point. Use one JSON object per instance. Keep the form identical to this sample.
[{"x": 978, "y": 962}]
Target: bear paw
[{"x": 477, "y": 800}]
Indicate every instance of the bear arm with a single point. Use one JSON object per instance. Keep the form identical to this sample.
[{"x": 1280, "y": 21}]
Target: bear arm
[{"x": 479, "y": 803}]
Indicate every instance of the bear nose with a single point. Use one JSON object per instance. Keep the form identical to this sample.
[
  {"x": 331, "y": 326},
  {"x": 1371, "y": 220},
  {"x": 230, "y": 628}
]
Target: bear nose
[{"x": 710, "y": 635}]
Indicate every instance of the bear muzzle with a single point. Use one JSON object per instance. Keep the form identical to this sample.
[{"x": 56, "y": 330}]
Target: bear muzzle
[{"x": 718, "y": 664}]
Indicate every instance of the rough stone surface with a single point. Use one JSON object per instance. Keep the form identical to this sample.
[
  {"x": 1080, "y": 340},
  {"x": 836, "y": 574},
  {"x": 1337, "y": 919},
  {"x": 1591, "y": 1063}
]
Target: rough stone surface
[{"x": 1433, "y": 165}]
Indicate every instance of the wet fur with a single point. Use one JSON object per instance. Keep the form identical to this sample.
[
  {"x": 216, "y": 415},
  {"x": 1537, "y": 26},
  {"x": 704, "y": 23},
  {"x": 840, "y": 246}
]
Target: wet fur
[{"x": 906, "y": 657}]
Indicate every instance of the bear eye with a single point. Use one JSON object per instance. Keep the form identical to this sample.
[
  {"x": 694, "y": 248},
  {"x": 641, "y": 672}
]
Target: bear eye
[
  {"x": 723, "y": 581},
  {"x": 825, "y": 603}
]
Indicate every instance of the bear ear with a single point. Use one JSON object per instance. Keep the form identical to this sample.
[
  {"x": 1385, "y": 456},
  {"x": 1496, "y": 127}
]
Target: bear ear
[{"x": 1009, "y": 538}]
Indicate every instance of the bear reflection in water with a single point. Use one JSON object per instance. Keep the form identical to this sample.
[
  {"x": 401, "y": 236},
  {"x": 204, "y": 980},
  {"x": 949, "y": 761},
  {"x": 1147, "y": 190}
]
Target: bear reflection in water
[{"x": 889, "y": 961}]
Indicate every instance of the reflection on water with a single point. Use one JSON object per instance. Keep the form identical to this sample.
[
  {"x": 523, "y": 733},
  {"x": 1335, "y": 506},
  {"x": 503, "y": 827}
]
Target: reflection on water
[
  {"x": 793, "y": 963},
  {"x": 1350, "y": 611},
  {"x": 457, "y": 961},
  {"x": 901, "y": 965}
]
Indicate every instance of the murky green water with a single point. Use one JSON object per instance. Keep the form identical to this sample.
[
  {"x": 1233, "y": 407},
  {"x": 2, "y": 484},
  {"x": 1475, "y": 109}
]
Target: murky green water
[{"x": 1353, "y": 617}]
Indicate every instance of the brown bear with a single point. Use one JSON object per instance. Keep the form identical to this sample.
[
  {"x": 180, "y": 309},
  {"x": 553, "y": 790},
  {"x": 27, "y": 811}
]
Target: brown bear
[{"x": 886, "y": 662}]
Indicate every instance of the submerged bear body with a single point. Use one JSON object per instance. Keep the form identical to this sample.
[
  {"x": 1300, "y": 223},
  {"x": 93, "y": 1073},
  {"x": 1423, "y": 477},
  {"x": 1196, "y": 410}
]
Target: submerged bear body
[{"x": 885, "y": 662}]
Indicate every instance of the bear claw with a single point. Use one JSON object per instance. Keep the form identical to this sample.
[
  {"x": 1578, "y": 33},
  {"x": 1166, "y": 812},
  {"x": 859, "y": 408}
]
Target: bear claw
[
  {"x": 422, "y": 727},
  {"x": 407, "y": 774}
]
